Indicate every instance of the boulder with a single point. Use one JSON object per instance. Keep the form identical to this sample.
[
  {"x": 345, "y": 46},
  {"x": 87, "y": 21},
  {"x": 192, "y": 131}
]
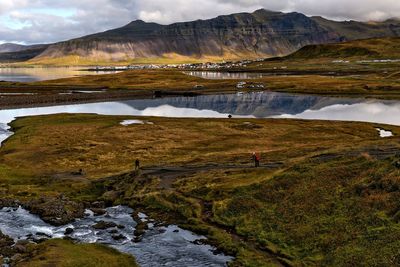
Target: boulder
[
  {"x": 119, "y": 237},
  {"x": 98, "y": 211},
  {"x": 68, "y": 231},
  {"x": 103, "y": 225},
  {"x": 56, "y": 210}
]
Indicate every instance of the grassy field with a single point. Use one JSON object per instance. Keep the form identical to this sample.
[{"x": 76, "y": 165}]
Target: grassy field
[
  {"x": 326, "y": 193},
  {"x": 63, "y": 253}
]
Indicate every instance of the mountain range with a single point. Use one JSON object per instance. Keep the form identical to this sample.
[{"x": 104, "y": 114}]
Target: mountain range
[{"x": 259, "y": 34}]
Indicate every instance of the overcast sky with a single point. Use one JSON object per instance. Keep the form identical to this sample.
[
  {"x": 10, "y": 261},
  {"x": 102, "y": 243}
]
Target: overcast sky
[{"x": 46, "y": 21}]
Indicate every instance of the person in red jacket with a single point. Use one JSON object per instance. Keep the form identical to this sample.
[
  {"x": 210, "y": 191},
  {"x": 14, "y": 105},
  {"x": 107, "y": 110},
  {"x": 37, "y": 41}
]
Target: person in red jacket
[{"x": 256, "y": 158}]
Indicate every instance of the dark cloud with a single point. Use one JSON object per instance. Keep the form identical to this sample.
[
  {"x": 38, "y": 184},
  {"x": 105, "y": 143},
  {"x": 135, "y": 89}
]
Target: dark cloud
[{"x": 51, "y": 21}]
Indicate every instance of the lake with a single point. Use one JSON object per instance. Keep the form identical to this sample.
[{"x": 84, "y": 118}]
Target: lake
[
  {"x": 41, "y": 74},
  {"x": 252, "y": 105}
]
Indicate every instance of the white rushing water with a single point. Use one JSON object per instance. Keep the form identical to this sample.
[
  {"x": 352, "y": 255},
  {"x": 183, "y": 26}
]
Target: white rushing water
[{"x": 160, "y": 246}]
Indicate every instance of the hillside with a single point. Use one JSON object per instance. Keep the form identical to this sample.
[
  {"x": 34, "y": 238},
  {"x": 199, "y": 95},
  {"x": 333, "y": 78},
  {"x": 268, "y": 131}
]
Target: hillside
[{"x": 377, "y": 48}]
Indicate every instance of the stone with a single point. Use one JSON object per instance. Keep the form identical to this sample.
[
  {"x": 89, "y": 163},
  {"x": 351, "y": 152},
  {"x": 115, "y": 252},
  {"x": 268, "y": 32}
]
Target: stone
[
  {"x": 119, "y": 237},
  {"x": 98, "y": 211},
  {"x": 68, "y": 231},
  {"x": 102, "y": 225},
  {"x": 98, "y": 205},
  {"x": 57, "y": 211}
]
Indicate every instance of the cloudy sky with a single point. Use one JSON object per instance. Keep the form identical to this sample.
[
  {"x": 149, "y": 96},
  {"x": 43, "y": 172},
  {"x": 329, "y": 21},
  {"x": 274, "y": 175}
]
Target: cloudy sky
[{"x": 46, "y": 21}]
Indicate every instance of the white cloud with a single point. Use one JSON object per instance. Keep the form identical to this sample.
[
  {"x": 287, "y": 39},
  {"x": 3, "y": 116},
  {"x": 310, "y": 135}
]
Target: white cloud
[{"x": 88, "y": 16}]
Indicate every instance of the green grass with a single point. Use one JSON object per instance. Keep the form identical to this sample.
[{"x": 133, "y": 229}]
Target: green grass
[
  {"x": 62, "y": 253},
  {"x": 314, "y": 214}
]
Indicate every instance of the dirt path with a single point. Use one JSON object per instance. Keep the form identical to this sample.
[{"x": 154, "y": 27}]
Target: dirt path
[{"x": 168, "y": 175}]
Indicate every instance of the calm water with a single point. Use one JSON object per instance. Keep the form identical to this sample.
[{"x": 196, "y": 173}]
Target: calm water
[
  {"x": 254, "y": 105},
  {"x": 41, "y": 74}
]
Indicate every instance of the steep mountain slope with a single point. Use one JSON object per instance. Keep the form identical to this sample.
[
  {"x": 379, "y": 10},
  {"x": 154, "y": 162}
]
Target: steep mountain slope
[
  {"x": 10, "y": 47},
  {"x": 354, "y": 30},
  {"x": 245, "y": 35},
  {"x": 23, "y": 53}
]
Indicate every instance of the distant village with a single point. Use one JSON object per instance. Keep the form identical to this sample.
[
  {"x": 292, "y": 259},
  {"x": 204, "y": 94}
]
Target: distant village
[
  {"x": 194, "y": 66},
  {"x": 191, "y": 67}
]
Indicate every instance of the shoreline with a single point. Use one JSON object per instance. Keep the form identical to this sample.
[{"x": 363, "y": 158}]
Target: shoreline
[
  {"x": 45, "y": 100},
  {"x": 34, "y": 101}
]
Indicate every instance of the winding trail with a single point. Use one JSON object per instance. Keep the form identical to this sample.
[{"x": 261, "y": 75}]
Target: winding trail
[{"x": 168, "y": 175}]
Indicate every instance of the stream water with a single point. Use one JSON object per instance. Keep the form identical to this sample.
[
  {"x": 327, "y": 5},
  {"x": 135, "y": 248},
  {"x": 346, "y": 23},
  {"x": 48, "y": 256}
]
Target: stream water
[{"x": 160, "y": 246}]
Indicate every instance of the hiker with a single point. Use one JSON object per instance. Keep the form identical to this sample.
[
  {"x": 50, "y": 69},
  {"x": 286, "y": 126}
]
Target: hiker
[
  {"x": 137, "y": 164},
  {"x": 256, "y": 158}
]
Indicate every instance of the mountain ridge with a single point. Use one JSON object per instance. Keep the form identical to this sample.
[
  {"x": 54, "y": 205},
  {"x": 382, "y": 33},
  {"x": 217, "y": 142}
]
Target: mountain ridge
[
  {"x": 243, "y": 35},
  {"x": 11, "y": 47},
  {"x": 260, "y": 34}
]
